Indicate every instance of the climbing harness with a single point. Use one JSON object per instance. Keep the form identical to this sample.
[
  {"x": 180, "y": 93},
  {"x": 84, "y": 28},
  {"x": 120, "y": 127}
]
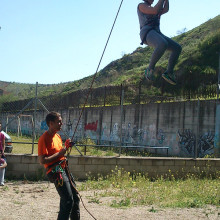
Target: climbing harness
[
  {"x": 58, "y": 170},
  {"x": 152, "y": 22}
]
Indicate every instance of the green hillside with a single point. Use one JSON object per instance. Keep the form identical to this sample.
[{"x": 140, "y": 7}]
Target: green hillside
[{"x": 197, "y": 65}]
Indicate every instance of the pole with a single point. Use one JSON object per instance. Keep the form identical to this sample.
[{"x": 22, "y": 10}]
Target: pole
[
  {"x": 218, "y": 89},
  {"x": 122, "y": 102},
  {"x": 197, "y": 131},
  {"x": 35, "y": 109},
  {"x": 6, "y": 129}
]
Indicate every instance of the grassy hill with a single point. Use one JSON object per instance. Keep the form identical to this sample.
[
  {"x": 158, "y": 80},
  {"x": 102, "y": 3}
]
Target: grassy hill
[{"x": 198, "y": 60}]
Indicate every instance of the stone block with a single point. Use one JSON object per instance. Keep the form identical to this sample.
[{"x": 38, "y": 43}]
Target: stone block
[
  {"x": 146, "y": 162},
  {"x": 77, "y": 168},
  {"x": 34, "y": 167},
  {"x": 19, "y": 167},
  {"x": 122, "y": 161},
  {"x": 157, "y": 162},
  {"x": 85, "y": 160},
  {"x": 105, "y": 169},
  {"x": 73, "y": 160},
  {"x": 91, "y": 168},
  {"x": 169, "y": 162},
  {"x": 200, "y": 163},
  {"x": 135, "y": 162},
  {"x": 29, "y": 159},
  {"x": 181, "y": 162},
  {"x": 191, "y": 163},
  {"x": 98, "y": 161},
  {"x": 13, "y": 158},
  {"x": 111, "y": 161}
]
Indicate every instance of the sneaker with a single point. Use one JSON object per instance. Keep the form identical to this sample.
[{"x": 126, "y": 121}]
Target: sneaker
[
  {"x": 2, "y": 184},
  {"x": 149, "y": 75},
  {"x": 169, "y": 77}
]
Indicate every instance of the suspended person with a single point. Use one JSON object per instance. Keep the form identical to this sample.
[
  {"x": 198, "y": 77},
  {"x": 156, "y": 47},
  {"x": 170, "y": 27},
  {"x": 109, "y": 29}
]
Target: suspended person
[
  {"x": 51, "y": 155},
  {"x": 150, "y": 34}
]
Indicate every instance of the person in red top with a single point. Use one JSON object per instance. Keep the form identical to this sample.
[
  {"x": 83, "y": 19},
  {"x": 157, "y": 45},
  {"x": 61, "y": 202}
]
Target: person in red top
[
  {"x": 51, "y": 154},
  {"x": 2, "y": 140}
]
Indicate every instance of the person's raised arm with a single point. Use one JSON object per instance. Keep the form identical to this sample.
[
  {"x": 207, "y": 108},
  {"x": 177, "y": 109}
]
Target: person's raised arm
[
  {"x": 144, "y": 8},
  {"x": 44, "y": 159},
  {"x": 165, "y": 7}
]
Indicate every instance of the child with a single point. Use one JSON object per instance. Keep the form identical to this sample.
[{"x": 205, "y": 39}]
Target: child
[
  {"x": 3, "y": 164},
  {"x": 149, "y": 18}
]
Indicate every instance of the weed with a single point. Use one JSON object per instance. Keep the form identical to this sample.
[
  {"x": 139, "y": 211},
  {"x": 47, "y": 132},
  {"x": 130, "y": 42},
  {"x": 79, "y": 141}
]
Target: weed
[
  {"x": 166, "y": 191},
  {"x": 5, "y": 188},
  {"x": 153, "y": 210},
  {"x": 120, "y": 204},
  {"x": 94, "y": 200}
]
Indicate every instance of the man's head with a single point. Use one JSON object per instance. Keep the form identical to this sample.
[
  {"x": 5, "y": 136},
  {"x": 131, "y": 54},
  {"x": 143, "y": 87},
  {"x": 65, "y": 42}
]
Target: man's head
[{"x": 54, "y": 121}]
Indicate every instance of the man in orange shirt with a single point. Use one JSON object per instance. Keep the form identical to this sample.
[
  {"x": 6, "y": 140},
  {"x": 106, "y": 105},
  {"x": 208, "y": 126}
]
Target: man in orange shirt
[{"x": 51, "y": 155}]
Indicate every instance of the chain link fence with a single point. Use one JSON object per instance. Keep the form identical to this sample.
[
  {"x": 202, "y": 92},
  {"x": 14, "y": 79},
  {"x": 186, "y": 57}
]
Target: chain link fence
[{"x": 171, "y": 122}]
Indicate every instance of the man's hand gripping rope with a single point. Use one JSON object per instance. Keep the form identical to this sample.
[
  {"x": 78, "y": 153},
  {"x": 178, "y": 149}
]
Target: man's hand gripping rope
[{"x": 68, "y": 145}]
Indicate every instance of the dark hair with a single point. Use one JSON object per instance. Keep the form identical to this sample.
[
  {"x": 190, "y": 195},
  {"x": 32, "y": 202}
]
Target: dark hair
[{"x": 52, "y": 116}]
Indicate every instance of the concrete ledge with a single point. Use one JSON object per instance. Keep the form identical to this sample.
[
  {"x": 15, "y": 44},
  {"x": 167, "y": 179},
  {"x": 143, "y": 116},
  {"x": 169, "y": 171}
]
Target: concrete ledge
[{"x": 28, "y": 166}]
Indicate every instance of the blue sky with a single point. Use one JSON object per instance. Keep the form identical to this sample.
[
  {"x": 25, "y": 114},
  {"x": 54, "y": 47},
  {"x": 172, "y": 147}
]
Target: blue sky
[{"x": 53, "y": 41}]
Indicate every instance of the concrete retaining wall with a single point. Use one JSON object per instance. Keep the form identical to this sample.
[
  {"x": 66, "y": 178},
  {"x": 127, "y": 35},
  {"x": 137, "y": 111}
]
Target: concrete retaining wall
[
  {"x": 20, "y": 166},
  {"x": 176, "y": 125}
]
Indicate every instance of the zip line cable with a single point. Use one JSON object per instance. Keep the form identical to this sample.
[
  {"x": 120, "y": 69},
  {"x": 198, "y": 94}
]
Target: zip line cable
[{"x": 90, "y": 89}]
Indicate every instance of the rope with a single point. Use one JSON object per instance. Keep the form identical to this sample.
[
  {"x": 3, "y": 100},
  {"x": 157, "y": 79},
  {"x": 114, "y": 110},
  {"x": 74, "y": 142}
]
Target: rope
[
  {"x": 90, "y": 89},
  {"x": 71, "y": 181}
]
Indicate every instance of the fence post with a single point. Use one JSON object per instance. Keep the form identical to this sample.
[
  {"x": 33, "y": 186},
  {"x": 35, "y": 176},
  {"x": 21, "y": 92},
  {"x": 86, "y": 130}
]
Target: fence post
[
  {"x": 139, "y": 95},
  {"x": 105, "y": 96},
  {"x": 35, "y": 109},
  {"x": 218, "y": 87},
  {"x": 197, "y": 131},
  {"x": 121, "y": 94},
  {"x": 122, "y": 102}
]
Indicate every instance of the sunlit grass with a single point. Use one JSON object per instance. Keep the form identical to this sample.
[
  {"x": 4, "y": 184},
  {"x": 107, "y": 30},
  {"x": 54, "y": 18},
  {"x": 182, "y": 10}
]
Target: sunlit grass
[
  {"x": 125, "y": 189},
  {"x": 21, "y": 148}
]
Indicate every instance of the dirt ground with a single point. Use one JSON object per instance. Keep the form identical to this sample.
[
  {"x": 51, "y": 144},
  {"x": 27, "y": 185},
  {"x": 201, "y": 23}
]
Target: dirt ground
[{"x": 22, "y": 200}]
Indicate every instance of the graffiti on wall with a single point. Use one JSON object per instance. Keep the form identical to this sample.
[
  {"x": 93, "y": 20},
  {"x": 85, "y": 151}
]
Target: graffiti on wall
[
  {"x": 160, "y": 136},
  {"x": 90, "y": 130},
  {"x": 43, "y": 126},
  {"x": 132, "y": 135},
  {"x": 91, "y": 126},
  {"x": 115, "y": 133},
  {"x": 104, "y": 132},
  {"x": 187, "y": 143}
]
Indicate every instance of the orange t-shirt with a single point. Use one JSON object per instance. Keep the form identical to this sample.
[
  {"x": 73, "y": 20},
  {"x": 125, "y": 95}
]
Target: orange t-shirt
[{"x": 49, "y": 145}]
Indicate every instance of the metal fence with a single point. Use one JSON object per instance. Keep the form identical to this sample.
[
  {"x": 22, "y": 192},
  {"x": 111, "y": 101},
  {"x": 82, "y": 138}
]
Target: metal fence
[{"x": 25, "y": 117}]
